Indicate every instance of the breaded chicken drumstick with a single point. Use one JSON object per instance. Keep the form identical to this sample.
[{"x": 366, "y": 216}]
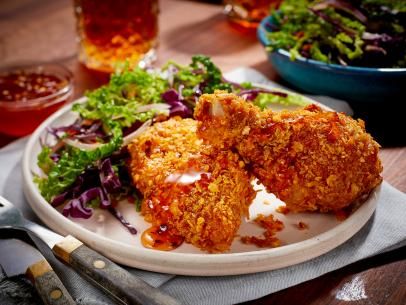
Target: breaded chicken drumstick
[
  {"x": 189, "y": 188},
  {"x": 314, "y": 160}
]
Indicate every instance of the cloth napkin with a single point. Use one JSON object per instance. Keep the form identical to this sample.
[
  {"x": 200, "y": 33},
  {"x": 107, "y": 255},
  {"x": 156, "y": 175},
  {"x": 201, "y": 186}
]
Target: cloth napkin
[{"x": 385, "y": 231}]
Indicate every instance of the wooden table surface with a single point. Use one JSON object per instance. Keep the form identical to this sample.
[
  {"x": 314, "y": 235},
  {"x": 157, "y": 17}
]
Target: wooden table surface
[{"x": 44, "y": 31}]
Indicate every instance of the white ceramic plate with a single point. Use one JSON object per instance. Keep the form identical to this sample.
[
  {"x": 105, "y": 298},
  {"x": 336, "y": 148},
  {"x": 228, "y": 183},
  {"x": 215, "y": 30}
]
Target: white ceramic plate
[{"x": 105, "y": 234}]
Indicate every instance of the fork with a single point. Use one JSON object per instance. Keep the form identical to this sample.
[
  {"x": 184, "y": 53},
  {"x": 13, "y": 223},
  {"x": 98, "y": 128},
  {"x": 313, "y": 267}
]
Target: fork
[{"x": 115, "y": 280}]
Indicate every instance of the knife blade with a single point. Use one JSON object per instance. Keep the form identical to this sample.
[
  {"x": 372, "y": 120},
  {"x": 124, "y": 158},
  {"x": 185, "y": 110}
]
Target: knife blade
[
  {"x": 20, "y": 258},
  {"x": 114, "y": 279}
]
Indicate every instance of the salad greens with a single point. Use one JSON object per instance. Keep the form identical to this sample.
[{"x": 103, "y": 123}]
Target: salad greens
[
  {"x": 119, "y": 101},
  {"x": 85, "y": 164},
  {"x": 369, "y": 33},
  {"x": 72, "y": 163},
  {"x": 263, "y": 100}
]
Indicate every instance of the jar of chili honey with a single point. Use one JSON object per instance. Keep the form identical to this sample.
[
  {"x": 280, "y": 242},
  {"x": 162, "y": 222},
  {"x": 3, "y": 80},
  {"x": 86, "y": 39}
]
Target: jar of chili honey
[{"x": 30, "y": 93}]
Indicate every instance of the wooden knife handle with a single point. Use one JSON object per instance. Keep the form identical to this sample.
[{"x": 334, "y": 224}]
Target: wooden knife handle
[
  {"x": 111, "y": 277},
  {"x": 48, "y": 285}
]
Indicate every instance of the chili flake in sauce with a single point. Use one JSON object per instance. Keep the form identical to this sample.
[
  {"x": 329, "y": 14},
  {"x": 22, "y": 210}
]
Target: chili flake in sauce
[
  {"x": 28, "y": 95},
  {"x": 24, "y": 86}
]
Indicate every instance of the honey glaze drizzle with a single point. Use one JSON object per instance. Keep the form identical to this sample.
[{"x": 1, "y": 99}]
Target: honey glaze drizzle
[
  {"x": 159, "y": 208},
  {"x": 161, "y": 237}
]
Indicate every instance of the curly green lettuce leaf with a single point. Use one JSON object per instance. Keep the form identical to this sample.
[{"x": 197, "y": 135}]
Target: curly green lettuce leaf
[
  {"x": 201, "y": 72},
  {"x": 44, "y": 161},
  {"x": 119, "y": 100},
  {"x": 212, "y": 74},
  {"x": 264, "y": 100},
  {"x": 184, "y": 76},
  {"x": 351, "y": 48}
]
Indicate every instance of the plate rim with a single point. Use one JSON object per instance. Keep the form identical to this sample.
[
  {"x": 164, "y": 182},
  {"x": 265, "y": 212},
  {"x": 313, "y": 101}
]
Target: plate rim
[{"x": 195, "y": 264}]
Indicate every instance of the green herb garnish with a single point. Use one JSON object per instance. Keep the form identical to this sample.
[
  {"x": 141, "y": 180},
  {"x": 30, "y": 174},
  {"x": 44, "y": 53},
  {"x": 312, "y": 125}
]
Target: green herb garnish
[{"x": 367, "y": 33}]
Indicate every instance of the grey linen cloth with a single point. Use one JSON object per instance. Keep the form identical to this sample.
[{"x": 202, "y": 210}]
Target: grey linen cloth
[{"x": 385, "y": 231}]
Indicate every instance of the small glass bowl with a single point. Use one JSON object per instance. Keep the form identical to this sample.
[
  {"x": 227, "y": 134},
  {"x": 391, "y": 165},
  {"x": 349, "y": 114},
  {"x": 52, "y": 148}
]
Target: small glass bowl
[{"x": 21, "y": 117}]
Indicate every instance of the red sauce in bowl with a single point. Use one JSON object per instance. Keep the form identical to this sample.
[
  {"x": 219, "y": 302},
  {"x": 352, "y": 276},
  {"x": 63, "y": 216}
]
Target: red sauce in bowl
[{"x": 29, "y": 94}]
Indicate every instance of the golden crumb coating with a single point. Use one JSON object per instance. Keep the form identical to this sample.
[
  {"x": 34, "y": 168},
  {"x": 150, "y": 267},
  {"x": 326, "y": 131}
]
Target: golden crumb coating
[
  {"x": 189, "y": 186},
  {"x": 314, "y": 160}
]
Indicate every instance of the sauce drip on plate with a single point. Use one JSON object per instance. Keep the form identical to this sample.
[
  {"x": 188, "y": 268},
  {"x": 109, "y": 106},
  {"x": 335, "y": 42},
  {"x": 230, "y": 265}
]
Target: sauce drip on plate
[{"x": 161, "y": 238}]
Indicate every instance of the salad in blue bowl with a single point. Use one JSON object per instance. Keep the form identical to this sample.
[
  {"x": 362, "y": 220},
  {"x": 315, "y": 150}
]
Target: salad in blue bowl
[{"x": 353, "y": 49}]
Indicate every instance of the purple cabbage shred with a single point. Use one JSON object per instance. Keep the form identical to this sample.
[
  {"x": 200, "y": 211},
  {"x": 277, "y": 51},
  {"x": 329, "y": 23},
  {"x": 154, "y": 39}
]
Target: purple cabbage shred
[
  {"x": 77, "y": 130},
  {"x": 123, "y": 221},
  {"x": 172, "y": 98},
  {"x": 108, "y": 178},
  {"x": 341, "y": 5},
  {"x": 61, "y": 198},
  {"x": 77, "y": 208},
  {"x": 251, "y": 94}
]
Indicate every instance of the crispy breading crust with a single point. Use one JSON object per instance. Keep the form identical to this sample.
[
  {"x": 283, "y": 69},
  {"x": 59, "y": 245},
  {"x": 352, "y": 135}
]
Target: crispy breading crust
[
  {"x": 312, "y": 159},
  {"x": 206, "y": 212}
]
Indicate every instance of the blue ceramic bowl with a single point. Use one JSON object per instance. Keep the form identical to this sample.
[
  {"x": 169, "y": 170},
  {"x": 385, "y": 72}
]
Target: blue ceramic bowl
[{"x": 356, "y": 84}]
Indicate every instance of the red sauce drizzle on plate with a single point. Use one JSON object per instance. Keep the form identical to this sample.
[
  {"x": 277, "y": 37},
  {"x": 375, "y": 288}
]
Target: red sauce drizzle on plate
[{"x": 161, "y": 238}]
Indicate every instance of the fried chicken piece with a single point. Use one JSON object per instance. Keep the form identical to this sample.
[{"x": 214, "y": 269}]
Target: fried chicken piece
[
  {"x": 191, "y": 188},
  {"x": 314, "y": 160}
]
